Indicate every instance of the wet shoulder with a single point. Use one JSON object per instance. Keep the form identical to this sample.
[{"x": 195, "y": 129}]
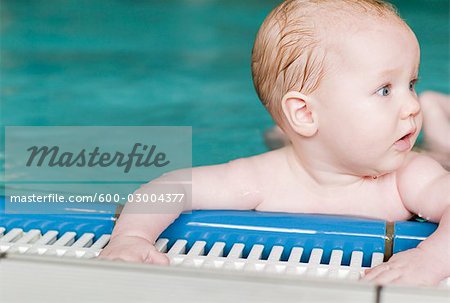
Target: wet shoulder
[
  {"x": 266, "y": 170},
  {"x": 263, "y": 164}
]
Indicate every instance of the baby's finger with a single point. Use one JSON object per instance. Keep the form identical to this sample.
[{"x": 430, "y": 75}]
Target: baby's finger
[
  {"x": 110, "y": 258},
  {"x": 105, "y": 256},
  {"x": 125, "y": 258},
  {"x": 374, "y": 272},
  {"x": 414, "y": 280},
  {"x": 403, "y": 280},
  {"x": 104, "y": 253},
  {"x": 157, "y": 258},
  {"x": 387, "y": 277},
  {"x": 102, "y": 256}
]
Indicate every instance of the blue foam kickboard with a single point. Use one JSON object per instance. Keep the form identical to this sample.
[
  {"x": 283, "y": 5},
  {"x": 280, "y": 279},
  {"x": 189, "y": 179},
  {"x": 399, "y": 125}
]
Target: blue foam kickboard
[
  {"x": 270, "y": 229},
  {"x": 409, "y": 234},
  {"x": 284, "y": 229}
]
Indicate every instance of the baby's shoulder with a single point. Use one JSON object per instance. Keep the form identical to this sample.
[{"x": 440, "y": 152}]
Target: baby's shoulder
[
  {"x": 261, "y": 167},
  {"x": 416, "y": 173},
  {"x": 418, "y": 166},
  {"x": 268, "y": 159}
]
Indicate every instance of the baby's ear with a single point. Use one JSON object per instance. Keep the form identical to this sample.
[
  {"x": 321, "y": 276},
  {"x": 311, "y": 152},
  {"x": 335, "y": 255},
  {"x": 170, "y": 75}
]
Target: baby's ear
[{"x": 298, "y": 113}]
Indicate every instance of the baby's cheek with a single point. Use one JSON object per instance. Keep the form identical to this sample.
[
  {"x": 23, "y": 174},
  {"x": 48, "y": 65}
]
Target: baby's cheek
[{"x": 419, "y": 121}]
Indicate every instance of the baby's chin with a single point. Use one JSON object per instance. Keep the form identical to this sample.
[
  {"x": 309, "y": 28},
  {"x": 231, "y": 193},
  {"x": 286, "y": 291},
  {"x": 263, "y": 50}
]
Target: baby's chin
[{"x": 384, "y": 166}]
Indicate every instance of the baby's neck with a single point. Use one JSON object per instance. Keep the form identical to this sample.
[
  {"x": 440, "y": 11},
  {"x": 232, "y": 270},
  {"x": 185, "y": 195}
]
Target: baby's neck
[{"x": 319, "y": 172}]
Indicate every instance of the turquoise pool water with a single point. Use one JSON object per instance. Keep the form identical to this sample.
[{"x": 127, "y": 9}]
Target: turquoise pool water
[{"x": 86, "y": 62}]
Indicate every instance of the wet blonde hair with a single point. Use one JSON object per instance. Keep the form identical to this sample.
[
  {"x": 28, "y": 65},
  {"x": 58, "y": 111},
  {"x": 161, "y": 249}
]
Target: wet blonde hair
[{"x": 289, "y": 51}]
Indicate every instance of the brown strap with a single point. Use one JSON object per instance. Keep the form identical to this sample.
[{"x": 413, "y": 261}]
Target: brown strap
[
  {"x": 117, "y": 213},
  {"x": 389, "y": 240}
]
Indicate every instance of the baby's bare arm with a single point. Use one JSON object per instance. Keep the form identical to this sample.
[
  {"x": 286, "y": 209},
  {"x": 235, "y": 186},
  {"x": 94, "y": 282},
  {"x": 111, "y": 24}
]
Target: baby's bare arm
[
  {"x": 424, "y": 187},
  {"x": 226, "y": 186}
]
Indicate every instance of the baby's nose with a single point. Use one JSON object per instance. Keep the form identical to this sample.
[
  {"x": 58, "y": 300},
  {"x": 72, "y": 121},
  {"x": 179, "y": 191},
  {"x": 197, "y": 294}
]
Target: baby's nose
[{"x": 411, "y": 107}]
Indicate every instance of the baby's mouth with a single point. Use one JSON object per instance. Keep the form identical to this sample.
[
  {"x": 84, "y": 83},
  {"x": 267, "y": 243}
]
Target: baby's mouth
[
  {"x": 406, "y": 137},
  {"x": 411, "y": 133},
  {"x": 404, "y": 143}
]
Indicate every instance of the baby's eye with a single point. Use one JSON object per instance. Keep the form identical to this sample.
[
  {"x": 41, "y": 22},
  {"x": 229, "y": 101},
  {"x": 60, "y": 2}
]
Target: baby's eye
[
  {"x": 384, "y": 91},
  {"x": 412, "y": 84}
]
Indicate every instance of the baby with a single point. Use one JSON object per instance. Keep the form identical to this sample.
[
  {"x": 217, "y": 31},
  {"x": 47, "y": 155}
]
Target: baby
[{"x": 338, "y": 77}]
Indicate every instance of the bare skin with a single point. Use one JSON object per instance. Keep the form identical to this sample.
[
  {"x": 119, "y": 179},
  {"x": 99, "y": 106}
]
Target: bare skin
[
  {"x": 350, "y": 155},
  {"x": 436, "y": 128},
  {"x": 379, "y": 198}
]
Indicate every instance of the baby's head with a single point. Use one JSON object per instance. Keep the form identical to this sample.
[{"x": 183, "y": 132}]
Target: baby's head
[{"x": 338, "y": 76}]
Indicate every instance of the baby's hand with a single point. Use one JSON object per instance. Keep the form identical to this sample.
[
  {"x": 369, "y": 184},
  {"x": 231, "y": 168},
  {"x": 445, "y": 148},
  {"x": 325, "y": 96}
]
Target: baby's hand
[
  {"x": 133, "y": 249},
  {"x": 411, "y": 267}
]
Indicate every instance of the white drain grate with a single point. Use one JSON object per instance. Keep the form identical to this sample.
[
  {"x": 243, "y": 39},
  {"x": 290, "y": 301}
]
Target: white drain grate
[{"x": 68, "y": 244}]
